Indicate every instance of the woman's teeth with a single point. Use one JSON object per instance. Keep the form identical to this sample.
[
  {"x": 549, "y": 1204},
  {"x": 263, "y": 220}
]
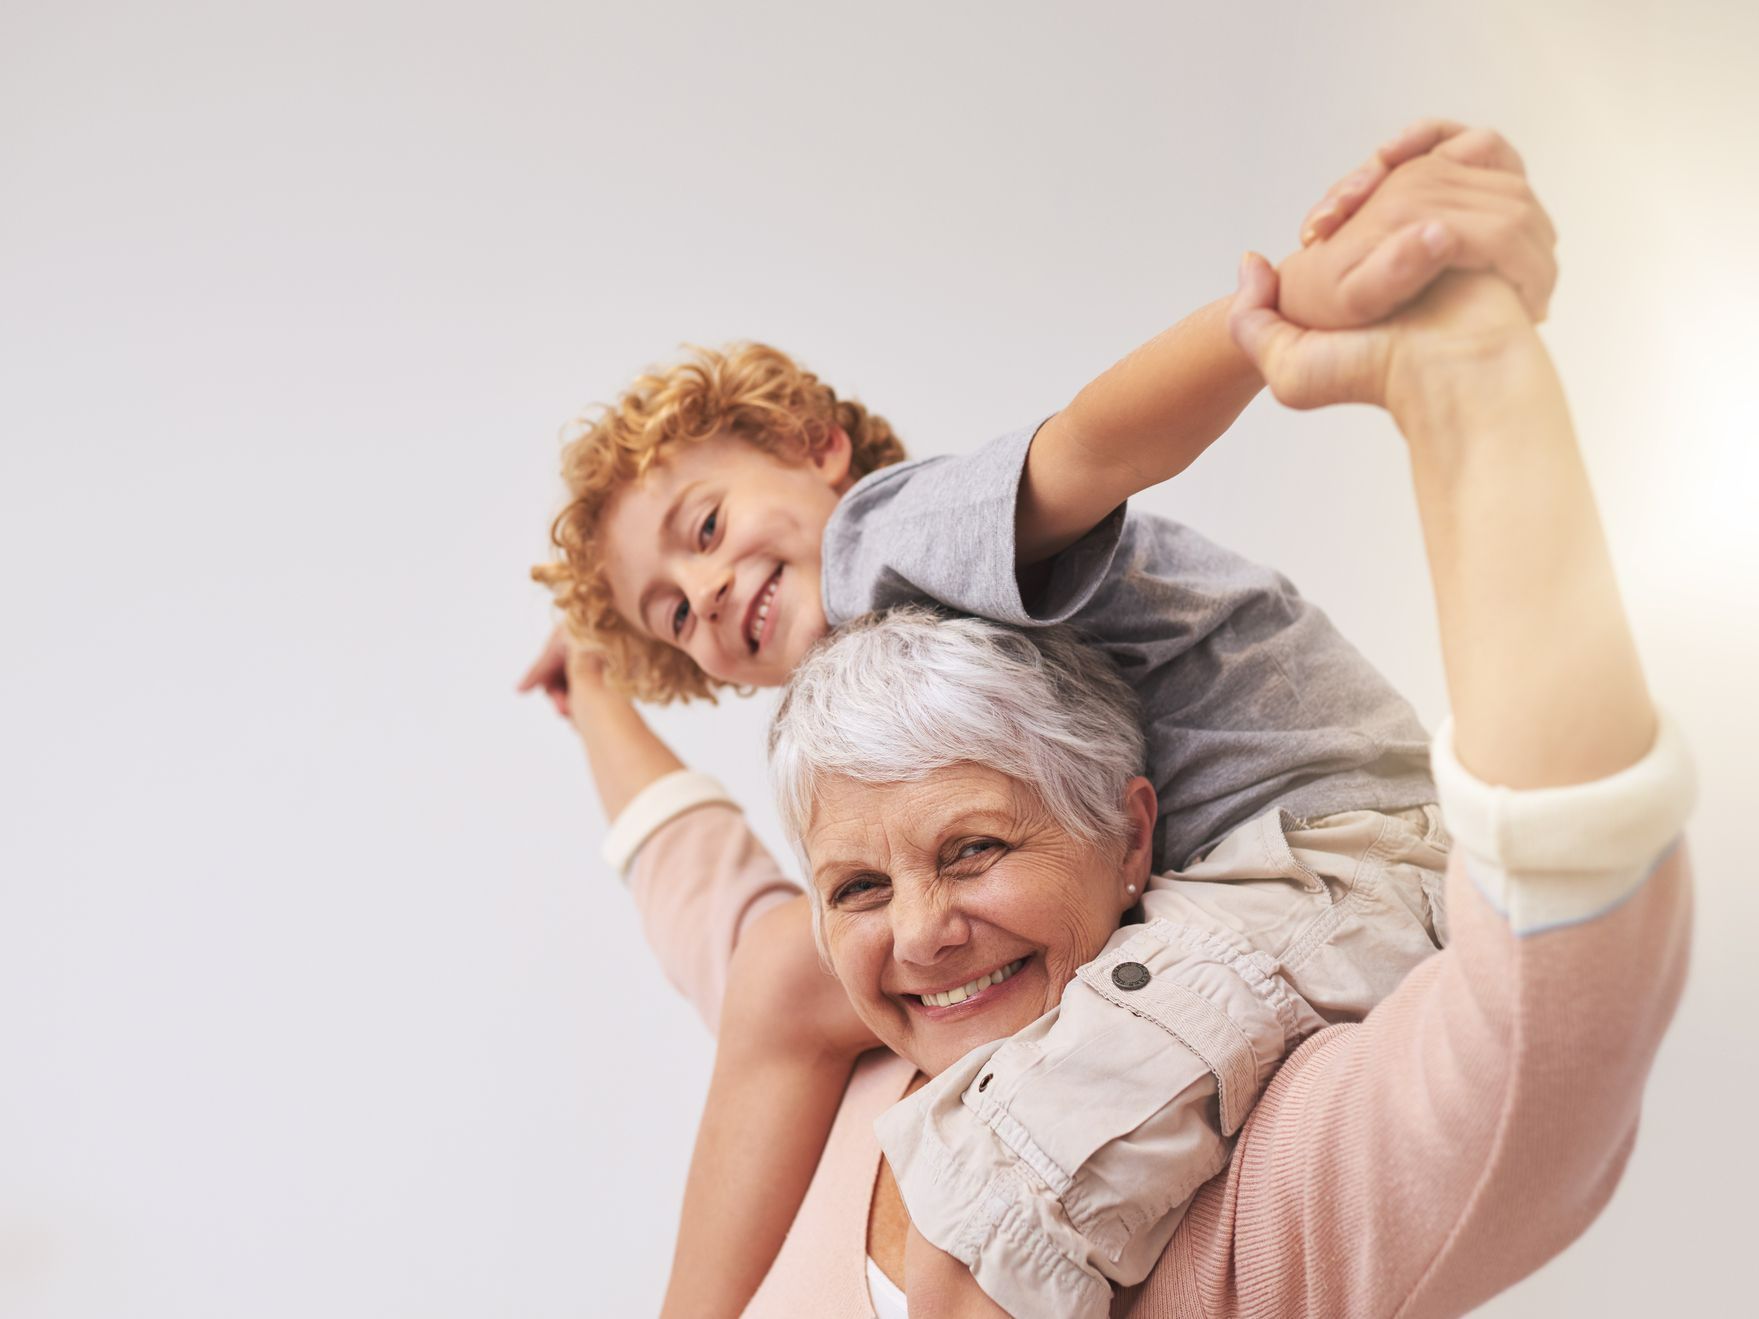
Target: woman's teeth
[
  {"x": 763, "y": 610},
  {"x": 948, "y": 997}
]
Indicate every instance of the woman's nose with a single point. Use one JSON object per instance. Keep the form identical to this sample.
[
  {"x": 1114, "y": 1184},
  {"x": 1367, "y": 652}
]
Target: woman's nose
[{"x": 926, "y": 927}]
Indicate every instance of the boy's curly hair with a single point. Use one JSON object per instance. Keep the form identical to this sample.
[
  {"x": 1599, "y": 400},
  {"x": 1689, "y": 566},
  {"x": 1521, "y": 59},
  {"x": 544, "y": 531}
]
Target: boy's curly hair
[{"x": 747, "y": 390}]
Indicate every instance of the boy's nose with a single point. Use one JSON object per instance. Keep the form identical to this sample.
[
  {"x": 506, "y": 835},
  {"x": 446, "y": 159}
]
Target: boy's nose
[{"x": 714, "y": 592}]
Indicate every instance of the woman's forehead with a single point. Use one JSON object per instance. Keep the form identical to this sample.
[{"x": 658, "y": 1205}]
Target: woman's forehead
[{"x": 849, "y": 812}]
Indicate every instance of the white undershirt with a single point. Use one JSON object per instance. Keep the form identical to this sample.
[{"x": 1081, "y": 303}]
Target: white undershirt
[{"x": 888, "y": 1301}]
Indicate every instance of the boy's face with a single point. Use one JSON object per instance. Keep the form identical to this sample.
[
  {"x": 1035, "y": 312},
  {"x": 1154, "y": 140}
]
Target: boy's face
[{"x": 716, "y": 551}]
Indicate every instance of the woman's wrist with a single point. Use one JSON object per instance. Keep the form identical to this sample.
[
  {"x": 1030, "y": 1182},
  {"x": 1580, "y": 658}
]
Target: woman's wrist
[{"x": 1443, "y": 396}]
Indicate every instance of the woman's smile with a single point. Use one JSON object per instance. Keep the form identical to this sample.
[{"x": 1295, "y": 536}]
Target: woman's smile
[{"x": 974, "y": 996}]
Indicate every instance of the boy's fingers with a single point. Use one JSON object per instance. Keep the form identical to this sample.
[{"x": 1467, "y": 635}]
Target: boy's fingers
[
  {"x": 551, "y": 662},
  {"x": 1253, "y": 320},
  {"x": 1417, "y": 139},
  {"x": 533, "y": 676},
  {"x": 1397, "y": 270}
]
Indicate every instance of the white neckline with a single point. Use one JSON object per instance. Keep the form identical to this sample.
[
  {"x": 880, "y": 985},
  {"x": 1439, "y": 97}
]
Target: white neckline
[{"x": 889, "y": 1302}]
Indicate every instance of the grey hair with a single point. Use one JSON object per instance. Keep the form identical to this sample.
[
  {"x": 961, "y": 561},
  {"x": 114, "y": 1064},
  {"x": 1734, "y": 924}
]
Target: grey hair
[{"x": 895, "y": 696}]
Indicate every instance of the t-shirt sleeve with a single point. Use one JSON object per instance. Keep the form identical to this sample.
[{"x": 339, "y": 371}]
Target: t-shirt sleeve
[{"x": 941, "y": 530}]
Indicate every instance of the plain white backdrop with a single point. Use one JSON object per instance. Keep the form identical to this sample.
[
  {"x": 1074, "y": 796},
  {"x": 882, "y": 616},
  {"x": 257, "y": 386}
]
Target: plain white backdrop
[{"x": 314, "y": 997}]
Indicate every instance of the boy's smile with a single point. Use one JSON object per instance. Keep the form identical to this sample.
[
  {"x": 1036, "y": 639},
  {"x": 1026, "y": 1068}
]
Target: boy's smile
[{"x": 716, "y": 551}]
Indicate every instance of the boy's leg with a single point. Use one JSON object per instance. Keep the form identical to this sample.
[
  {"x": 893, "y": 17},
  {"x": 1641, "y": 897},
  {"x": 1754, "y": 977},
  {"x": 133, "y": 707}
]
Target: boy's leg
[
  {"x": 1055, "y": 1165},
  {"x": 940, "y": 1287},
  {"x": 1347, "y": 904},
  {"x": 788, "y": 1041}
]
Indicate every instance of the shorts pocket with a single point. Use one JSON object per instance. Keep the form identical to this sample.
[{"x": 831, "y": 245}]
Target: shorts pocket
[{"x": 1129, "y": 1101}]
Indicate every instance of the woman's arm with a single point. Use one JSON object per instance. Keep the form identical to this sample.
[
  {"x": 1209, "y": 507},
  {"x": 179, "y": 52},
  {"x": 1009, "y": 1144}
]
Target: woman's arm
[
  {"x": 1481, "y": 1116},
  {"x": 1542, "y": 672},
  {"x": 735, "y": 937},
  {"x": 787, "y": 1043},
  {"x": 696, "y": 872}
]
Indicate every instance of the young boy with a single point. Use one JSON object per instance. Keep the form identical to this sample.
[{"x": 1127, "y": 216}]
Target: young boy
[{"x": 708, "y": 504}]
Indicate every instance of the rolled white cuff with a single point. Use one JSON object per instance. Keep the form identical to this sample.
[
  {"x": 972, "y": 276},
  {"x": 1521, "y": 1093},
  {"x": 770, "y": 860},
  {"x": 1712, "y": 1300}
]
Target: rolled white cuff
[
  {"x": 1546, "y": 857},
  {"x": 660, "y": 802}
]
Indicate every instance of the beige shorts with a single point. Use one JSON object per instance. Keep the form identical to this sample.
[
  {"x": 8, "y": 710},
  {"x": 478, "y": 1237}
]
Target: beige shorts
[{"x": 1057, "y": 1163}]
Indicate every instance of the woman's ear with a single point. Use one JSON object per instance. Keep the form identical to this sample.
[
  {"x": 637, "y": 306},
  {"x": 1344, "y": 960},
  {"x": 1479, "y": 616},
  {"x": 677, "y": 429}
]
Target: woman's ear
[
  {"x": 833, "y": 459},
  {"x": 1142, "y": 809}
]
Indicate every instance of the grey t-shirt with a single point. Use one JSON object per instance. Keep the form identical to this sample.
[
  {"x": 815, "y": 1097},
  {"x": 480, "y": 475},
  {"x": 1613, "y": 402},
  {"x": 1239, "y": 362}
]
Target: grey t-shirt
[{"x": 1251, "y": 698}]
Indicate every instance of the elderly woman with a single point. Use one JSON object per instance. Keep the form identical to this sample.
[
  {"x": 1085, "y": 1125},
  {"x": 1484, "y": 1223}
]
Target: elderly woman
[{"x": 1416, "y": 1162}]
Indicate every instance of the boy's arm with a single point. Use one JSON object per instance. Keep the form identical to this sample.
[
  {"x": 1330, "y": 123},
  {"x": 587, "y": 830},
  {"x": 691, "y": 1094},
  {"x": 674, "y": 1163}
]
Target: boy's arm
[
  {"x": 940, "y": 1287},
  {"x": 1142, "y": 421},
  {"x": 788, "y": 1041},
  {"x": 1465, "y": 205},
  {"x": 625, "y": 755}
]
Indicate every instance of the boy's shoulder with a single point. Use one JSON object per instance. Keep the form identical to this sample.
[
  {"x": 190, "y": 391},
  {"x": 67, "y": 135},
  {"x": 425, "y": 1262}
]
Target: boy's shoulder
[{"x": 940, "y": 529}]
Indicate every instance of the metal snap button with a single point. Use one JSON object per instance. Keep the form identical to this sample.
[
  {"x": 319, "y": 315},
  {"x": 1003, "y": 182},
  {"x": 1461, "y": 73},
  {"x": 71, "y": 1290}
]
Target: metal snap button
[
  {"x": 984, "y": 1084},
  {"x": 1130, "y": 975}
]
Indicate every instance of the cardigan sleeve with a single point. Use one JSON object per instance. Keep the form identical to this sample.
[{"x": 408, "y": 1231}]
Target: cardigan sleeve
[
  {"x": 1434, "y": 1154},
  {"x": 698, "y": 876}
]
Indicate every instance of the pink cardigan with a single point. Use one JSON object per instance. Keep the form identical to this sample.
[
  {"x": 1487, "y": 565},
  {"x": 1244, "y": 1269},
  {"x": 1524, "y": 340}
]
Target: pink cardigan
[{"x": 1414, "y": 1164}]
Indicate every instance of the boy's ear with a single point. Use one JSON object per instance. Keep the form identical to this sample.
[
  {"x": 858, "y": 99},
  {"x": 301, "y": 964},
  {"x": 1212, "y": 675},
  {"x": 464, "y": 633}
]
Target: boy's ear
[{"x": 833, "y": 458}]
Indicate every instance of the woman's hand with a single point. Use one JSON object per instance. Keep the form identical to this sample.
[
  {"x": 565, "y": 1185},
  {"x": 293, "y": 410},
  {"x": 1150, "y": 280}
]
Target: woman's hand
[
  {"x": 1439, "y": 197},
  {"x": 1464, "y": 321}
]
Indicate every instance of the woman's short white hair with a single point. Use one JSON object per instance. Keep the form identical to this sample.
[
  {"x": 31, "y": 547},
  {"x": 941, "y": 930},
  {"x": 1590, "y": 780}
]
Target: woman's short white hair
[{"x": 895, "y": 696}]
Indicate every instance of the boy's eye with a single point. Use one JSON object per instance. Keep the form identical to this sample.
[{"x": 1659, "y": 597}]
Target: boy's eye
[
  {"x": 707, "y": 533},
  {"x": 680, "y": 614}
]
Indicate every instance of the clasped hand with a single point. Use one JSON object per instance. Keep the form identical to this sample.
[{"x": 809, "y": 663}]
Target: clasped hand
[{"x": 1383, "y": 293}]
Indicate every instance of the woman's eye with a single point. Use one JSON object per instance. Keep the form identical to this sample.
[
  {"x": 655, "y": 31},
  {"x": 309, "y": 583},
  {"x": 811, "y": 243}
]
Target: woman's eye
[
  {"x": 975, "y": 848},
  {"x": 709, "y": 524},
  {"x": 680, "y": 615},
  {"x": 856, "y": 890}
]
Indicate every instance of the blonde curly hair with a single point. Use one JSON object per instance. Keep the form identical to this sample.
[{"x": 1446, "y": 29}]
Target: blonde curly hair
[{"x": 747, "y": 390}]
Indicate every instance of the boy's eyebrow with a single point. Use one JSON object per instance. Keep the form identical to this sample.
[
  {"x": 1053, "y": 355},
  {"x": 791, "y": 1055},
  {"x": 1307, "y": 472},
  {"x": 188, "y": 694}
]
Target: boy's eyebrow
[{"x": 667, "y": 528}]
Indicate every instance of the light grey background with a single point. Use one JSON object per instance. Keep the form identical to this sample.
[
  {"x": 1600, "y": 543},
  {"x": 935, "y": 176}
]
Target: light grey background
[{"x": 314, "y": 998}]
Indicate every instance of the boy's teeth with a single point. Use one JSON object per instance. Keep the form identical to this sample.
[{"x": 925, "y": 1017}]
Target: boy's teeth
[
  {"x": 946, "y": 998},
  {"x": 763, "y": 610}
]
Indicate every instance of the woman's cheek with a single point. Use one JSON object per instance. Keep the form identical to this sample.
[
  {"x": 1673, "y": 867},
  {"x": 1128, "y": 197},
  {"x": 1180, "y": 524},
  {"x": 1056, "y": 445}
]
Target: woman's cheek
[
  {"x": 1084, "y": 921},
  {"x": 857, "y": 956}
]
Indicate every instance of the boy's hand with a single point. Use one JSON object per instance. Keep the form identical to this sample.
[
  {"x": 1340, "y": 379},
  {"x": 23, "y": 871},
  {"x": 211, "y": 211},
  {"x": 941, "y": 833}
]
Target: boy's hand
[
  {"x": 1465, "y": 205},
  {"x": 561, "y": 668},
  {"x": 1461, "y": 319}
]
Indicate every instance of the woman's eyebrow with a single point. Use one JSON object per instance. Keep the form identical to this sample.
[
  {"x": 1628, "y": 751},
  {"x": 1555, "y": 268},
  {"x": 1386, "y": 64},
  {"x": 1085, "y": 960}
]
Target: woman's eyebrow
[{"x": 829, "y": 872}]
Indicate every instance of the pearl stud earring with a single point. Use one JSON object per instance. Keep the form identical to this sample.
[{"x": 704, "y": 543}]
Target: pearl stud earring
[{"x": 1130, "y": 889}]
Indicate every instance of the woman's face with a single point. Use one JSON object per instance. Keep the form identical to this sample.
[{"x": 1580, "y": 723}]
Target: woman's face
[{"x": 962, "y": 887}]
